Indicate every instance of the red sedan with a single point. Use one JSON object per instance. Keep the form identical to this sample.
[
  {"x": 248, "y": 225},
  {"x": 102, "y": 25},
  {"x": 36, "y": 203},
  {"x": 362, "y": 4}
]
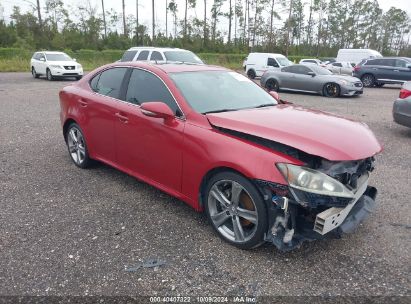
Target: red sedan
[{"x": 262, "y": 171}]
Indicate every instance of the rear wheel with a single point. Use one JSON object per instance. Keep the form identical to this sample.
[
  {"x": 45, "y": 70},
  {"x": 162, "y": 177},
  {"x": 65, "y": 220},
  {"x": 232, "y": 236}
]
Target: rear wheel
[
  {"x": 34, "y": 73},
  {"x": 251, "y": 74},
  {"x": 379, "y": 85},
  {"x": 368, "y": 80},
  {"x": 77, "y": 146},
  {"x": 236, "y": 210},
  {"x": 49, "y": 75},
  {"x": 331, "y": 90},
  {"x": 272, "y": 85}
]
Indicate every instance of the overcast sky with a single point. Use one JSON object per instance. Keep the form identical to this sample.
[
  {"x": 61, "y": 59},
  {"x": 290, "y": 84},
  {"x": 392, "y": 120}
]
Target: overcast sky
[{"x": 145, "y": 8}]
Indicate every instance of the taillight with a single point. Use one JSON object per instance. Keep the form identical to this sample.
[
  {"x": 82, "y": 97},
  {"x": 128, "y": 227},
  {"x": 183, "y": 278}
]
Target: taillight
[
  {"x": 404, "y": 93},
  {"x": 356, "y": 68}
]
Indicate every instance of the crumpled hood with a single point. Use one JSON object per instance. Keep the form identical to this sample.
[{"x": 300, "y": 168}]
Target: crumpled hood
[{"x": 314, "y": 132}]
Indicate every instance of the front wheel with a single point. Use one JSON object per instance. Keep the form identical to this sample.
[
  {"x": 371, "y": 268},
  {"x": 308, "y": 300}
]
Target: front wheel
[
  {"x": 331, "y": 90},
  {"x": 49, "y": 75},
  {"x": 236, "y": 210},
  {"x": 77, "y": 146}
]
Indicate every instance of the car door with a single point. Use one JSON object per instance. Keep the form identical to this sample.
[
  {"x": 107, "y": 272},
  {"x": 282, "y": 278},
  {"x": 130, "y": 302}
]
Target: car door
[
  {"x": 386, "y": 69},
  {"x": 100, "y": 108},
  {"x": 41, "y": 64},
  {"x": 287, "y": 77},
  {"x": 146, "y": 146},
  {"x": 303, "y": 81},
  {"x": 404, "y": 70}
]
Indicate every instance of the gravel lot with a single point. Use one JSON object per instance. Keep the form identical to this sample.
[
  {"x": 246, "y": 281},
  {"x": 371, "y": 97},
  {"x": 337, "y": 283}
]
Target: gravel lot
[{"x": 67, "y": 231}]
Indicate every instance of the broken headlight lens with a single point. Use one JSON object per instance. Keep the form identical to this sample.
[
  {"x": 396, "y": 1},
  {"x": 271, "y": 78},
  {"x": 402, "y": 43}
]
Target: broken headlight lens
[{"x": 310, "y": 180}]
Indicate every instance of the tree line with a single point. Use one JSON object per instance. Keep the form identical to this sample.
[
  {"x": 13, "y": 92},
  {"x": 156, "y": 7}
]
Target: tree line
[{"x": 293, "y": 27}]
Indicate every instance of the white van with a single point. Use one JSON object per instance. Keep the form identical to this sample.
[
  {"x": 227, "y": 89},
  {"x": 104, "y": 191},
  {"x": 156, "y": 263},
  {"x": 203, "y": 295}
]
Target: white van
[
  {"x": 258, "y": 63},
  {"x": 356, "y": 55}
]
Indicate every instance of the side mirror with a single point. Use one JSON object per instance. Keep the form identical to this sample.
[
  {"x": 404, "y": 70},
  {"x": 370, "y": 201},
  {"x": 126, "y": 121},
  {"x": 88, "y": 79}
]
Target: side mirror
[
  {"x": 42, "y": 59},
  {"x": 408, "y": 66},
  {"x": 275, "y": 95},
  {"x": 156, "y": 109},
  {"x": 74, "y": 59},
  {"x": 312, "y": 74}
]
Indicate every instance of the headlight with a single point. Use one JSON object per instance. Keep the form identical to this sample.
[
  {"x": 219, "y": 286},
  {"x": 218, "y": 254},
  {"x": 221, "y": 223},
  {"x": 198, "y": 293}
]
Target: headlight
[
  {"x": 55, "y": 66},
  {"x": 79, "y": 66},
  {"x": 344, "y": 82},
  {"x": 310, "y": 180}
]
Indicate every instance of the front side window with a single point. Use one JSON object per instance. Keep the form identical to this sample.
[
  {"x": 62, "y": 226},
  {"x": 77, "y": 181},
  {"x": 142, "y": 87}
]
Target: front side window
[
  {"x": 337, "y": 64},
  {"x": 156, "y": 56},
  {"x": 272, "y": 62},
  {"x": 290, "y": 69},
  {"x": 109, "y": 82},
  {"x": 143, "y": 55},
  {"x": 128, "y": 56},
  {"x": 230, "y": 91},
  {"x": 146, "y": 87}
]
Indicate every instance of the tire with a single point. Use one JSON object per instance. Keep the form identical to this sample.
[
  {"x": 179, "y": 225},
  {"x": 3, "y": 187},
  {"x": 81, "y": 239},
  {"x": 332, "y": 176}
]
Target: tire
[
  {"x": 379, "y": 84},
  {"x": 272, "y": 85},
  {"x": 251, "y": 74},
  {"x": 49, "y": 76},
  {"x": 79, "y": 77},
  {"x": 77, "y": 147},
  {"x": 368, "y": 80},
  {"x": 33, "y": 72},
  {"x": 240, "y": 220},
  {"x": 331, "y": 89}
]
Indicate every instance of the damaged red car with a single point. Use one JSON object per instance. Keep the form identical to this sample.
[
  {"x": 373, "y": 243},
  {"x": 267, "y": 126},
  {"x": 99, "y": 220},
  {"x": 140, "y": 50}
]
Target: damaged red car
[{"x": 262, "y": 170}]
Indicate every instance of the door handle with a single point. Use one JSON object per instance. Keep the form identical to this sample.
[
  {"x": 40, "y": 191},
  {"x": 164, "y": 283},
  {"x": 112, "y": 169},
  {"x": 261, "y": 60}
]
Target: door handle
[
  {"x": 83, "y": 103},
  {"x": 121, "y": 117},
  {"x": 396, "y": 70}
]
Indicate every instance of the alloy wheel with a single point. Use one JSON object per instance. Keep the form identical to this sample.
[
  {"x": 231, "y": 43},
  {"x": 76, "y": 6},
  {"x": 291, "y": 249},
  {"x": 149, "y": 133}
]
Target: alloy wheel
[
  {"x": 49, "y": 76},
  {"x": 272, "y": 85},
  {"x": 368, "y": 80},
  {"x": 232, "y": 211},
  {"x": 76, "y": 145},
  {"x": 332, "y": 90}
]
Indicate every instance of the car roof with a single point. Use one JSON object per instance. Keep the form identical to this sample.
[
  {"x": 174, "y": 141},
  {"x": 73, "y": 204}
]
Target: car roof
[
  {"x": 50, "y": 52},
  {"x": 136, "y": 48},
  {"x": 171, "y": 67}
]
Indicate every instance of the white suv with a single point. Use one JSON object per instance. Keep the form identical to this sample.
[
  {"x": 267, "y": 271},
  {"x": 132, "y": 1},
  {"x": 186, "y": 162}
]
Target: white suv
[
  {"x": 160, "y": 54},
  {"x": 55, "y": 64}
]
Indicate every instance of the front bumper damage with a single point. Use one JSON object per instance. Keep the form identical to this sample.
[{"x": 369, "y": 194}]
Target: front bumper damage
[{"x": 297, "y": 217}]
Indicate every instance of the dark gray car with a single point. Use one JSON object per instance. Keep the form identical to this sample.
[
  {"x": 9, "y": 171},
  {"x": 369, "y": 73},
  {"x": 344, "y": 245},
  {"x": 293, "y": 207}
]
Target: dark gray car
[
  {"x": 402, "y": 106},
  {"x": 380, "y": 71},
  {"x": 312, "y": 79}
]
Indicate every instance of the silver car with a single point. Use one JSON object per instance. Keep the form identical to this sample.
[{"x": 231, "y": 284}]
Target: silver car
[
  {"x": 311, "y": 79},
  {"x": 402, "y": 106}
]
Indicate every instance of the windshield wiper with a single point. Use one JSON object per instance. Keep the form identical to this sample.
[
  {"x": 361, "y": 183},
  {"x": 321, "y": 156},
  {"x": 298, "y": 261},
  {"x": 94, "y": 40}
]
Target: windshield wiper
[
  {"x": 219, "y": 111},
  {"x": 265, "y": 105}
]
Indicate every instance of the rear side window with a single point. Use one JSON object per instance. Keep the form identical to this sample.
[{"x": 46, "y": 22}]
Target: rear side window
[
  {"x": 146, "y": 87},
  {"x": 399, "y": 63},
  {"x": 143, "y": 55},
  {"x": 156, "y": 56},
  {"x": 109, "y": 82},
  {"x": 272, "y": 62},
  {"x": 129, "y": 56},
  {"x": 337, "y": 64}
]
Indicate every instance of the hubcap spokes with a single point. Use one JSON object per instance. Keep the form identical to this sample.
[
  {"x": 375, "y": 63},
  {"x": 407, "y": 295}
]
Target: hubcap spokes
[
  {"x": 76, "y": 146},
  {"x": 229, "y": 213}
]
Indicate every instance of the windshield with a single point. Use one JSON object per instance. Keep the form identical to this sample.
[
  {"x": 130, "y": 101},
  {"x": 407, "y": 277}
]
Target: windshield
[
  {"x": 220, "y": 91},
  {"x": 58, "y": 57},
  {"x": 182, "y": 56},
  {"x": 320, "y": 70},
  {"x": 283, "y": 61}
]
